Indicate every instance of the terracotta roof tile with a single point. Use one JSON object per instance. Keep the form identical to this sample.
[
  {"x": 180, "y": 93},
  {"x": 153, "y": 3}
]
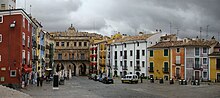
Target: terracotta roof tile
[
  {"x": 167, "y": 44},
  {"x": 134, "y": 38}
]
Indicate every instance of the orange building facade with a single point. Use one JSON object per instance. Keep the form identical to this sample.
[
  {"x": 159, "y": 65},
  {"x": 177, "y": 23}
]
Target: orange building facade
[{"x": 178, "y": 62}]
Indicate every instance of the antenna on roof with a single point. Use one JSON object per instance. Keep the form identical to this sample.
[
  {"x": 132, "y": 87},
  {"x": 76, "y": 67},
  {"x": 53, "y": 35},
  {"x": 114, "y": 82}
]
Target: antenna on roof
[
  {"x": 177, "y": 31},
  {"x": 207, "y": 31},
  {"x": 30, "y": 9},
  {"x": 170, "y": 27},
  {"x": 200, "y": 33}
]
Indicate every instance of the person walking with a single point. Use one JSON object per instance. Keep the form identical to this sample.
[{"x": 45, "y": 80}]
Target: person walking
[
  {"x": 38, "y": 79},
  {"x": 141, "y": 78}
]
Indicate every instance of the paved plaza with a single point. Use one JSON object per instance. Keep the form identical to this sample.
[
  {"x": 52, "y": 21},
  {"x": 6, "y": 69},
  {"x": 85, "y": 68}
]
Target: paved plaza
[{"x": 82, "y": 87}]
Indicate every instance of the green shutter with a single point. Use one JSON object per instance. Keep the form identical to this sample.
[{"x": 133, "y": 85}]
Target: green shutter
[
  {"x": 165, "y": 52},
  {"x": 151, "y": 65},
  {"x": 151, "y": 53},
  {"x": 166, "y": 66}
]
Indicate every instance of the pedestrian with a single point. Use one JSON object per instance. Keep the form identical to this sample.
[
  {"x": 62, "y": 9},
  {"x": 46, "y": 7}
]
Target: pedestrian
[
  {"x": 141, "y": 79},
  {"x": 38, "y": 79},
  {"x": 41, "y": 81}
]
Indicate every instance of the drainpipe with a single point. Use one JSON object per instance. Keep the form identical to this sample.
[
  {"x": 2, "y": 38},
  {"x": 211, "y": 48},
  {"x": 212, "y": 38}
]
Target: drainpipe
[{"x": 134, "y": 58}]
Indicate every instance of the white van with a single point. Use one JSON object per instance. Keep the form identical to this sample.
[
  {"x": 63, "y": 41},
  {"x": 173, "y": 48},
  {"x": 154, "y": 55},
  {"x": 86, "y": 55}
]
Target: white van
[{"x": 130, "y": 78}]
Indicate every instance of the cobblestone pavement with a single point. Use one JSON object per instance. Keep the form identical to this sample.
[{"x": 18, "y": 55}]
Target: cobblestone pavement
[
  {"x": 81, "y": 87},
  {"x": 6, "y": 92}
]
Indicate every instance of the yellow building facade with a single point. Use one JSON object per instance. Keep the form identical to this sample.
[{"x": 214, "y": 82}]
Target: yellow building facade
[
  {"x": 159, "y": 63},
  {"x": 215, "y": 64}
]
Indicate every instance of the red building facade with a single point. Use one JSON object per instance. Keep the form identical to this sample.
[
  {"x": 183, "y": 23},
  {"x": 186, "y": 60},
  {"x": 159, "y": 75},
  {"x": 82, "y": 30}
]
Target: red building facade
[{"x": 15, "y": 46}]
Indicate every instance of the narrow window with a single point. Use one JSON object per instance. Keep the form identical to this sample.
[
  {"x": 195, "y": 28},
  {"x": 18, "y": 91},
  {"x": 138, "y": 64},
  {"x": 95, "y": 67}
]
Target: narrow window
[
  {"x": 204, "y": 50},
  {"x": 62, "y": 43},
  {"x": 57, "y": 43},
  {"x": 143, "y": 52},
  {"x": 80, "y": 44},
  {"x": 151, "y": 53},
  {"x": 67, "y": 44},
  {"x": 1, "y": 19},
  {"x": 196, "y": 51},
  {"x": 131, "y": 52},
  {"x": 177, "y": 50},
  {"x": 85, "y": 44},
  {"x": 23, "y": 38},
  {"x": 0, "y": 37},
  {"x": 165, "y": 52},
  {"x": 28, "y": 41}
]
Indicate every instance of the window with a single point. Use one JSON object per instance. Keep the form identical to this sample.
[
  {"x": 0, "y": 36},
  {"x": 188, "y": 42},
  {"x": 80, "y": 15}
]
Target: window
[
  {"x": 3, "y": 7},
  {"x": 80, "y": 44},
  {"x": 2, "y": 79},
  {"x": 165, "y": 53},
  {"x": 143, "y": 52},
  {"x": 125, "y": 45},
  {"x": 28, "y": 27},
  {"x": 204, "y": 50},
  {"x": 0, "y": 37},
  {"x": 23, "y": 22},
  {"x": 196, "y": 51},
  {"x": 67, "y": 44},
  {"x": 1, "y": 19},
  {"x": 62, "y": 43},
  {"x": 57, "y": 43},
  {"x": 165, "y": 66},
  {"x": 74, "y": 43},
  {"x": 218, "y": 64},
  {"x": 151, "y": 66},
  {"x": 138, "y": 63},
  {"x": 138, "y": 54},
  {"x": 115, "y": 54},
  {"x": 151, "y": 53},
  {"x": 85, "y": 43},
  {"x": 73, "y": 56},
  {"x": 137, "y": 43},
  {"x": 197, "y": 63},
  {"x": 131, "y": 52},
  {"x": 23, "y": 38},
  {"x": 120, "y": 53},
  {"x": 125, "y": 64},
  {"x": 13, "y": 73},
  {"x": 204, "y": 60},
  {"x": 116, "y": 64},
  {"x": 82, "y": 56},
  {"x": 125, "y": 54},
  {"x": 28, "y": 41},
  {"x": 59, "y": 56},
  {"x": 143, "y": 63},
  {"x": 23, "y": 54},
  {"x": 115, "y": 46},
  {"x": 177, "y": 50},
  {"x": 205, "y": 74},
  {"x": 28, "y": 62},
  {"x": 130, "y": 63},
  {"x": 177, "y": 59},
  {"x": 120, "y": 63}
]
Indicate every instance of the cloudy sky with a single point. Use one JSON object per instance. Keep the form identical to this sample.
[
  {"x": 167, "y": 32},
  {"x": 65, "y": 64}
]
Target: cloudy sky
[{"x": 128, "y": 16}]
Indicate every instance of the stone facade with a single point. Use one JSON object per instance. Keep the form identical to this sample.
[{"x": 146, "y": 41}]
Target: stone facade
[{"x": 72, "y": 51}]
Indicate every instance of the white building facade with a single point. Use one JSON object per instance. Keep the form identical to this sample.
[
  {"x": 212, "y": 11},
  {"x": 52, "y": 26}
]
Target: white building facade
[{"x": 129, "y": 54}]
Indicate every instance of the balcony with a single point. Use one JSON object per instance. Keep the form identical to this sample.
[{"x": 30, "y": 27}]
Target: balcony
[
  {"x": 137, "y": 68},
  {"x": 151, "y": 70},
  {"x": 197, "y": 67},
  {"x": 165, "y": 70}
]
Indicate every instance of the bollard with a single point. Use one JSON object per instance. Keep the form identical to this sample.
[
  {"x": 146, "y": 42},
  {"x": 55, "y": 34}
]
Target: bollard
[
  {"x": 171, "y": 81},
  {"x": 161, "y": 81},
  {"x": 152, "y": 80}
]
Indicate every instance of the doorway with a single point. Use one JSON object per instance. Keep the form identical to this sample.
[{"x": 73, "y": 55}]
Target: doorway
[{"x": 196, "y": 75}]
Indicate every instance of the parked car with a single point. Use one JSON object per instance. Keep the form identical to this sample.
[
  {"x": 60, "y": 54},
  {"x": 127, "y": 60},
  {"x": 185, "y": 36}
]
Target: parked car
[
  {"x": 131, "y": 78},
  {"x": 107, "y": 80}
]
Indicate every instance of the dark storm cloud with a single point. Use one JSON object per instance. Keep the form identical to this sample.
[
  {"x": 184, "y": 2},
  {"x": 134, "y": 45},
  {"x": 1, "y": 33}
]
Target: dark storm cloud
[{"x": 129, "y": 16}]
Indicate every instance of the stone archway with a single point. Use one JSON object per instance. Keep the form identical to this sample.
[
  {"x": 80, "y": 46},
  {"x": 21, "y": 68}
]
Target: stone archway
[
  {"x": 73, "y": 69},
  {"x": 82, "y": 69}
]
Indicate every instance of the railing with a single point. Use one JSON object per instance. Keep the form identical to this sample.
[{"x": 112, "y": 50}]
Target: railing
[
  {"x": 166, "y": 70},
  {"x": 137, "y": 68},
  {"x": 197, "y": 67},
  {"x": 151, "y": 69}
]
